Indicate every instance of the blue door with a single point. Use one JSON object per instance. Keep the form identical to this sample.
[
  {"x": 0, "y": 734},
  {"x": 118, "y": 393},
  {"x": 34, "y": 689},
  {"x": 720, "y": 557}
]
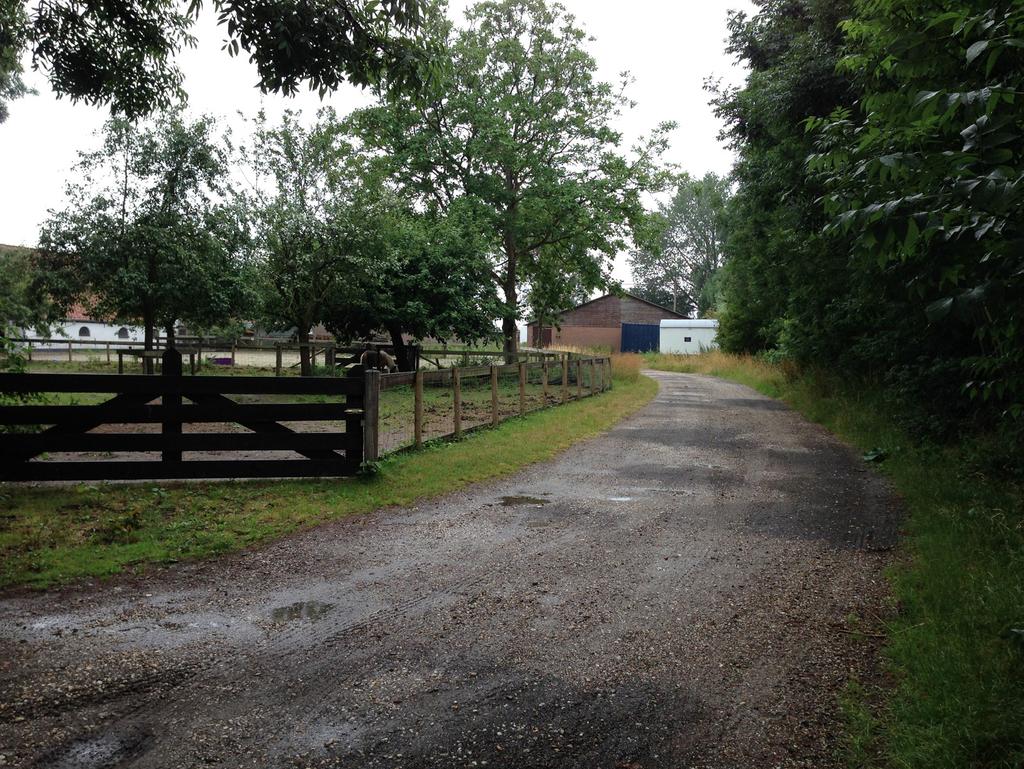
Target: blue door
[{"x": 639, "y": 337}]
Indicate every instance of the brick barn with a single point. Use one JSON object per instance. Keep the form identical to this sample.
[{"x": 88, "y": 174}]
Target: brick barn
[{"x": 620, "y": 323}]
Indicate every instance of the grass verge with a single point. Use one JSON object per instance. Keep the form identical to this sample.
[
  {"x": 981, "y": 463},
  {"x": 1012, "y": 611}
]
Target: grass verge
[
  {"x": 956, "y": 647},
  {"x": 53, "y": 535}
]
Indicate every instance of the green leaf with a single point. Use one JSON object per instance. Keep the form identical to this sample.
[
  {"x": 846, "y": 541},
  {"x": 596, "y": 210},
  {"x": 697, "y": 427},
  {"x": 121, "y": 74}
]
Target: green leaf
[{"x": 976, "y": 50}]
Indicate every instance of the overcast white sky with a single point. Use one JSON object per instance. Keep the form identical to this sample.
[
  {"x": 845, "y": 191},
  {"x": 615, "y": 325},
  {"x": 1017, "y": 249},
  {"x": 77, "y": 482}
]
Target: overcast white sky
[{"x": 670, "y": 47}]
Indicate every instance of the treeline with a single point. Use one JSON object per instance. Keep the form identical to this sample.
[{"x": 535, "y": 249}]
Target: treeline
[
  {"x": 498, "y": 190},
  {"x": 875, "y": 229}
]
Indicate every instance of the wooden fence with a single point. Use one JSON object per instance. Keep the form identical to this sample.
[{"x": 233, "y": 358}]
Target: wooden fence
[
  {"x": 273, "y": 353},
  {"x": 450, "y": 402},
  {"x": 138, "y": 401},
  {"x": 139, "y": 431}
]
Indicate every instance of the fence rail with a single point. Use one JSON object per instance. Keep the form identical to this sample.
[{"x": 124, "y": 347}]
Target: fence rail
[
  {"x": 269, "y": 352},
  {"x": 138, "y": 401},
  {"x": 450, "y": 402},
  {"x": 139, "y": 430}
]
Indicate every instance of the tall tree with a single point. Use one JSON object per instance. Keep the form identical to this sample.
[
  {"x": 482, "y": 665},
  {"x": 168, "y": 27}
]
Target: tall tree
[
  {"x": 145, "y": 235},
  {"x": 308, "y": 212},
  {"x": 785, "y": 285},
  {"x": 521, "y": 132},
  {"x": 13, "y": 37},
  {"x": 926, "y": 178},
  {"x": 688, "y": 252},
  {"x": 122, "y": 53},
  {"x": 428, "y": 278}
]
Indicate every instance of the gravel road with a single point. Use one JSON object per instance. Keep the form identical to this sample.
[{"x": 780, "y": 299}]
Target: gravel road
[{"x": 679, "y": 592}]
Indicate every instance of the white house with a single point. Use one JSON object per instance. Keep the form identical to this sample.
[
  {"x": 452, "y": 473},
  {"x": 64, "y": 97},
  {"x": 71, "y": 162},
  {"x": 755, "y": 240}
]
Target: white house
[
  {"x": 687, "y": 336},
  {"x": 79, "y": 326}
]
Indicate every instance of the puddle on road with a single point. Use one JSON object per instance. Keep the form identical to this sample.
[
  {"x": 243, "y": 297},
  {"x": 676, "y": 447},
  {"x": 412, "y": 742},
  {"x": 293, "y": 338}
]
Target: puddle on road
[
  {"x": 102, "y": 751},
  {"x": 312, "y": 610},
  {"x": 517, "y": 501}
]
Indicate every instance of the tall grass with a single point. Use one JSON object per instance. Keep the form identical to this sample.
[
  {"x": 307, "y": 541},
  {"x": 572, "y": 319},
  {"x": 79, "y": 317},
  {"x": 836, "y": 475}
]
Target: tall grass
[
  {"x": 626, "y": 366},
  {"x": 956, "y": 647},
  {"x": 745, "y": 369}
]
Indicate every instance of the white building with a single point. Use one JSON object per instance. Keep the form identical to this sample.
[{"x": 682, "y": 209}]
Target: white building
[
  {"x": 81, "y": 328},
  {"x": 686, "y": 337}
]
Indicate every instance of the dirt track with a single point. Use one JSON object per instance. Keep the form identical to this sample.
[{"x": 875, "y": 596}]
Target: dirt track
[{"x": 675, "y": 593}]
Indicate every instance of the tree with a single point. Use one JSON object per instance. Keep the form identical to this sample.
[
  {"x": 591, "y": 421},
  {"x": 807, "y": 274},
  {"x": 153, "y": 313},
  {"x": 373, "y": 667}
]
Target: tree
[
  {"x": 429, "y": 278},
  {"x": 551, "y": 292},
  {"x": 689, "y": 249},
  {"x": 308, "y": 213},
  {"x": 925, "y": 179},
  {"x": 122, "y": 53},
  {"x": 786, "y": 285},
  {"x": 13, "y": 22},
  {"x": 22, "y": 305},
  {"x": 521, "y": 135},
  {"x": 145, "y": 236}
]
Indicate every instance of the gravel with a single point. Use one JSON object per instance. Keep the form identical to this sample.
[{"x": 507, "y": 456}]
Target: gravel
[{"x": 678, "y": 592}]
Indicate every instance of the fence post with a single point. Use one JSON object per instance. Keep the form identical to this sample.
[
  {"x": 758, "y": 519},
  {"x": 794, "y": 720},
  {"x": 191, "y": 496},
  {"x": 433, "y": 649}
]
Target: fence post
[
  {"x": 278, "y": 362},
  {"x": 593, "y": 378},
  {"x": 29, "y": 350},
  {"x": 233, "y": 347},
  {"x": 329, "y": 358},
  {"x": 522, "y": 389},
  {"x": 494, "y": 395},
  {"x": 608, "y": 366},
  {"x": 171, "y": 426},
  {"x": 108, "y": 352},
  {"x": 371, "y": 409},
  {"x": 544, "y": 379},
  {"x": 457, "y": 400},
  {"x": 417, "y": 419},
  {"x": 565, "y": 378},
  {"x": 69, "y": 351},
  {"x": 579, "y": 378}
]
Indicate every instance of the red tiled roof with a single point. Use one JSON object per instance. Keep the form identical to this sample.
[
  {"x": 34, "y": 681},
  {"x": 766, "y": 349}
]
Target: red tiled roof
[{"x": 77, "y": 313}]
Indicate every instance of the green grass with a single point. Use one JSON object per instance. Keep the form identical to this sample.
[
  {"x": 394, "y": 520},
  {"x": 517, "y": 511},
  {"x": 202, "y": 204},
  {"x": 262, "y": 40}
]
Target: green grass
[
  {"x": 53, "y": 535},
  {"x": 957, "y": 667}
]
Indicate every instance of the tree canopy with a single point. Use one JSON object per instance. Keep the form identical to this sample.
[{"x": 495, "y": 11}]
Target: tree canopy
[
  {"x": 334, "y": 243},
  {"x": 680, "y": 270},
  {"x": 122, "y": 53},
  {"x": 308, "y": 216},
  {"x": 520, "y": 136},
  {"x": 876, "y": 224},
  {"x": 146, "y": 234}
]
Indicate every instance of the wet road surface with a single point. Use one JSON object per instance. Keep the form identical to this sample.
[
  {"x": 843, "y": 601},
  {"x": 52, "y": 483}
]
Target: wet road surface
[{"x": 678, "y": 592}]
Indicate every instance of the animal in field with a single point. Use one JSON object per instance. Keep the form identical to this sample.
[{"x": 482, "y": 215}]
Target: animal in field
[{"x": 377, "y": 359}]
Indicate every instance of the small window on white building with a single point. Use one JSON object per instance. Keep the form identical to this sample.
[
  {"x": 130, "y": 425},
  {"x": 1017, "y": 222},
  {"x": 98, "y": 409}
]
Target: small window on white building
[
  {"x": 122, "y": 333},
  {"x": 83, "y": 331},
  {"x": 687, "y": 339}
]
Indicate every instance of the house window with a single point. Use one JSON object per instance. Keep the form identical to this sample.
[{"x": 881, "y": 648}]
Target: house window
[
  {"x": 84, "y": 331},
  {"x": 122, "y": 333},
  {"x": 687, "y": 339}
]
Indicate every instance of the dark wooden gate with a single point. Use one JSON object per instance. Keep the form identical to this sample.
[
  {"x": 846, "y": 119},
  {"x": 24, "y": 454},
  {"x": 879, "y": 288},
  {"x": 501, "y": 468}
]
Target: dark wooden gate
[{"x": 173, "y": 400}]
